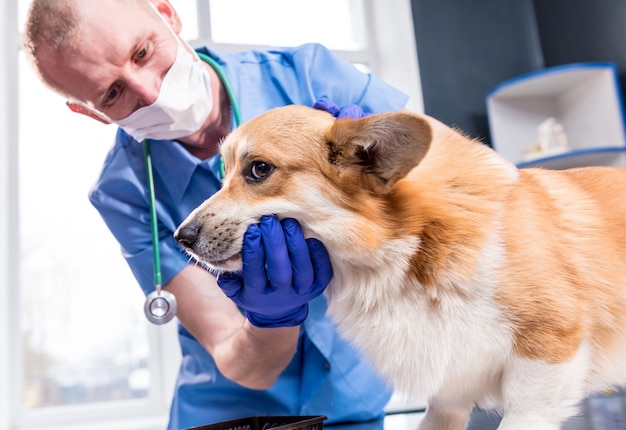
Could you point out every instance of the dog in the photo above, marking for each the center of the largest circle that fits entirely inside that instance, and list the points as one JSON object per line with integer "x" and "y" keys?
{"x": 465, "y": 280}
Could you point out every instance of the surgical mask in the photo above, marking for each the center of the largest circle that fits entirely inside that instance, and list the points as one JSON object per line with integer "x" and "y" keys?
{"x": 182, "y": 106}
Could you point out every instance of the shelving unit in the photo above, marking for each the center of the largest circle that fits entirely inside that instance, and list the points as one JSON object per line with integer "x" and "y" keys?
{"x": 584, "y": 99}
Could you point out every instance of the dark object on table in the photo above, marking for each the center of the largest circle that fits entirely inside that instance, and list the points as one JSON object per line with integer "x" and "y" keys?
{"x": 291, "y": 422}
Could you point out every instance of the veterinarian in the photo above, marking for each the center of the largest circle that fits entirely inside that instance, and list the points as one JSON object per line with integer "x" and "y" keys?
{"x": 122, "y": 62}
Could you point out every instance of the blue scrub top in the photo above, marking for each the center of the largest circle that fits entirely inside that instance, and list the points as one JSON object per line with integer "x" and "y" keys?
{"x": 326, "y": 376}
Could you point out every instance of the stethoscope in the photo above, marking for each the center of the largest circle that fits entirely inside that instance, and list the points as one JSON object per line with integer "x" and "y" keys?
{"x": 160, "y": 306}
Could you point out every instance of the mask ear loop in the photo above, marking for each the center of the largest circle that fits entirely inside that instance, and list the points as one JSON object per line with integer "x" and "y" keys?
{"x": 160, "y": 305}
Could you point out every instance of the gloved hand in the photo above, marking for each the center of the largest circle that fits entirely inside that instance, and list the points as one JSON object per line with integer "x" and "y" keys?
{"x": 351, "y": 111}
{"x": 282, "y": 271}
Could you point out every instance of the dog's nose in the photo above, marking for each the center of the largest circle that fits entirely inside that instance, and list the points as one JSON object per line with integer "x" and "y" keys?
{"x": 187, "y": 235}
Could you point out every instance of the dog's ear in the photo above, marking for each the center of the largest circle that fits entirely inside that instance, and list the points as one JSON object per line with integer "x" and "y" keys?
{"x": 385, "y": 147}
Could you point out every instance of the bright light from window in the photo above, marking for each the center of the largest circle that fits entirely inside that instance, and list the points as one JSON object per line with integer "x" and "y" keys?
{"x": 284, "y": 22}
{"x": 83, "y": 331}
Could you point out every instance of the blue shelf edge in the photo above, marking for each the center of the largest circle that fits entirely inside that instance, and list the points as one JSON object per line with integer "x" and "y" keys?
{"x": 571, "y": 154}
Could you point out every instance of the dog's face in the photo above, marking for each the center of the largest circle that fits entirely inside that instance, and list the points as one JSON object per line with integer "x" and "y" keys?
{"x": 301, "y": 163}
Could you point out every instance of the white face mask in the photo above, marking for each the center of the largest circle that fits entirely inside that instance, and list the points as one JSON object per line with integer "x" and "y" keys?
{"x": 183, "y": 105}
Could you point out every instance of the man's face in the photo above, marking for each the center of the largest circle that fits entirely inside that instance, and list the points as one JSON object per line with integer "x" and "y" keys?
{"x": 120, "y": 60}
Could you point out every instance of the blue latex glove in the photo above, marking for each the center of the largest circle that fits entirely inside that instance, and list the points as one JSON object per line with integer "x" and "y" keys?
{"x": 351, "y": 111}
{"x": 282, "y": 271}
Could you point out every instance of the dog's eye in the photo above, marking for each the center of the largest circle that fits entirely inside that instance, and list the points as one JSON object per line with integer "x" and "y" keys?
{"x": 259, "y": 170}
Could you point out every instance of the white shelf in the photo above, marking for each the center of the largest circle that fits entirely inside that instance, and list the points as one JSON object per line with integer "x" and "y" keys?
{"x": 584, "y": 98}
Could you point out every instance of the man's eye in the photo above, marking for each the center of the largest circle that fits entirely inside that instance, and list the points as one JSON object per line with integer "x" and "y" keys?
{"x": 259, "y": 170}
{"x": 111, "y": 95}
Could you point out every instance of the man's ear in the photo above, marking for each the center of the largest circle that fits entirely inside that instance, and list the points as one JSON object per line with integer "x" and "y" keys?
{"x": 385, "y": 147}
{"x": 169, "y": 14}
{"x": 85, "y": 110}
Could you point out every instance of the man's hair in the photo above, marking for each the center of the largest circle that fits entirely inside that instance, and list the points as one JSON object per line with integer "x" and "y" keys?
{"x": 50, "y": 24}
{"x": 54, "y": 26}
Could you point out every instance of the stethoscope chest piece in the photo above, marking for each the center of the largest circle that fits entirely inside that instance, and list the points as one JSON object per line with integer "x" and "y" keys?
{"x": 160, "y": 306}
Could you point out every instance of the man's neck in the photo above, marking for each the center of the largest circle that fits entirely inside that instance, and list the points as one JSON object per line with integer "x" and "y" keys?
{"x": 205, "y": 143}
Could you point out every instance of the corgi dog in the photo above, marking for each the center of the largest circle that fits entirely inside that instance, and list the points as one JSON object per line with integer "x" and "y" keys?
{"x": 465, "y": 280}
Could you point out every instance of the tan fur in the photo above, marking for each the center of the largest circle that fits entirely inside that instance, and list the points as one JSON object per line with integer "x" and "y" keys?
{"x": 464, "y": 279}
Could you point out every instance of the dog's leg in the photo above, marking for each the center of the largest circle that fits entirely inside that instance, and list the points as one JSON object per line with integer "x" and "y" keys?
{"x": 444, "y": 417}
{"x": 540, "y": 396}
{"x": 512, "y": 422}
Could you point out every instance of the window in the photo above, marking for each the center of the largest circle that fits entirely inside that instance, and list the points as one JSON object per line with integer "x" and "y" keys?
{"x": 77, "y": 348}
{"x": 278, "y": 26}
{"x": 374, "y": 35}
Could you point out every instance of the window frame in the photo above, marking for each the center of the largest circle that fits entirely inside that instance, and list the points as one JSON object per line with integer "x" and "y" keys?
{"x": 391, "y": 55}
{"x": 9, "y": 42}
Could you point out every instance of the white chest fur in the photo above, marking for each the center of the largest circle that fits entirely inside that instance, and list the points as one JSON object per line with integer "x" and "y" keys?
{"x": 418, "y": 342}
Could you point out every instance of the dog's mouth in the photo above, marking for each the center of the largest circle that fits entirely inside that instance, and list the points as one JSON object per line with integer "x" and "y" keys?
{"x": 208, "y": 251}
{"x": 229, "y": 264}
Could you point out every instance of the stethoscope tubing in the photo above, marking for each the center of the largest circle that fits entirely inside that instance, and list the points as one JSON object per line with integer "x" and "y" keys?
{"x": 160, "y": 306}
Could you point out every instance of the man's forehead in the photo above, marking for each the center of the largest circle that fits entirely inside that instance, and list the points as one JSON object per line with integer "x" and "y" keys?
{"x": 112, "y": 7}
{"x": 110, "y": 19}
{"x": 71, "y": 73}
